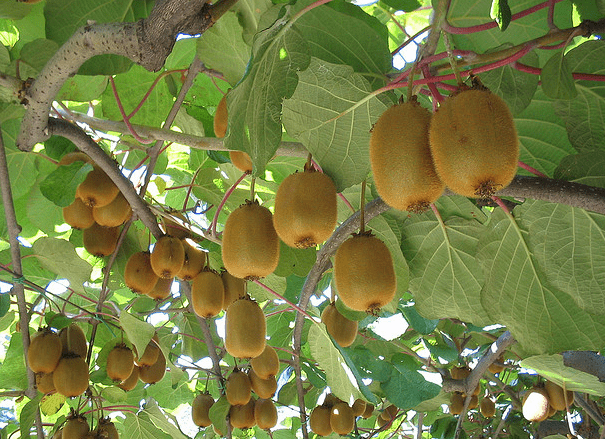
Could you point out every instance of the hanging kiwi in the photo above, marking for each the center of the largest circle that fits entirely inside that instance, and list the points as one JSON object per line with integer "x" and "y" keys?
{"x": 151, "y": 353}
{"x": 497, "y": 366}
{"x": 195, "y": 259}
{"x": 488, "y": 407}
{"x": 106, "y": 429}
{"x": 138, "y": 274}
{"x": 242, "y": 416}
{"x": 44, "y": 382}
{"x": 364, "y": 274}
{"x": 162, "y": 289}
{"x": 173, "y": 228}
{"x": 474, "y": 402}
{"x": 241, "y": 160}
{"x": 342, "y": 420}
{"x": 100, "y": 241}
{"x": 220, "y": 120}
{"x": 200, "y": 409}
{"x": 263, "y": 388}
{"x": 120, "y": 362}
{"x": 235, "y": 288}
{"x": 44, "y": 351}
{"x": 250, "y": 244}
{"x": 75, "y": 427}
{"x": 400, "y": 158}
{"x": 389, "y": 413}
{"x": 75, "y": 156}
{"x": 265, "y": 413}
{"x": 71, "y": 376}
{"x": 536, "y": 404}
{"x": 113, "y": 214}
{"x": 238, "y": 388}
{"x": 474, "y": 143}
{"x": 319, "y": 421}
{"x": 167, "y": 257}
{"x": 266, "y": 365}
{"x": 73, "y": 340}
{"x": 556, "y": 396}
{"x": 97, "y": 189}
{"x": 456, "y": 403}
{"x": 132, "y": 381}
{"x": 154, "y": 373}
{"x": 305, "y": 211}
{"x": 207, "y": 293}
{"x": 369, "y": 411}
{"x": 343, "y": 330}
{"x": 358, "y": 407}
{"x": 245, "y": 329}
{"x": 78, "y": 215}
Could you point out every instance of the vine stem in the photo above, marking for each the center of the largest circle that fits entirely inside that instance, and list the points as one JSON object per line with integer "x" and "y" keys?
{"x": 532, "y": 170}
{"x": 222, "y": 204}
{"x": 451, "y": 58}
{"x": 362, "y": 201}
{"x": 280, "y": 297}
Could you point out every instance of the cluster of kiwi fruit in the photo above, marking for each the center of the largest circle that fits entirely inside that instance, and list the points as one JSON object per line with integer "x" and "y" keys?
{"x": 99, "y": 208}
{"x": 76, "y": 427}
{"x": 336, "y": 416}
{"x": 544, "y": 400}
{"x": 469, "y": 144}
{"x": 487, "y": 406}
{"x": 127, "y": 368}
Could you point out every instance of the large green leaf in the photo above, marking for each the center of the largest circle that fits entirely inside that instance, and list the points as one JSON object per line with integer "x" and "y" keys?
{"x": 557, "y": 79}
{"x": 60, "y": 185}
{"x": 14, "y": 371}
{"x": 518, "y": 295}
{"x": 159, "y": 420}
{"x": 140, "y": 426}
{"x": 60, "y": 257}
{"x": 407, "y": 387}
{"x": 21, "y": 165}
{"x": 331, "y": 114}
{"x": 569, "y": 243}
{"x": 255, "y": 104}
{"x": 28, "y": 415}
{"x": 137, "y": 331}
{"x": 586, "y": 168}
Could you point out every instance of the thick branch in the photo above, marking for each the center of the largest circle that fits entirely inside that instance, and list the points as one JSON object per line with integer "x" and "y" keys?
{"x": 586, "y": 361}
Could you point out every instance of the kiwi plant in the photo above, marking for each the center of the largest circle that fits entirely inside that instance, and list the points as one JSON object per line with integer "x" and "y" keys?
{"x": 200, "y": 409}
{"x": 97, "y": 189}
{"x": 265, "y": 413}
{"x": 44, "y": 351}
{"x": 70, "y": 377}
{"x": 120, "y": 362}
{"x": 245, "y": 329}
{"x": 167, "y": 257}
{"x": 139, "y": 275}
{"x": 238, "y": 388}
{"x": 266, "y": 365}
{"x": 207, "y": 293}
{"x": 342, "y": 330}
{"x": 78, "y": 215}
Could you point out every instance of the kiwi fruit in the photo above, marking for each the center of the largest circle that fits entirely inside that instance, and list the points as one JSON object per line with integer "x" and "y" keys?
{"x": 381, "y": 422}
{"x": 200, "y": 410}
{"x": 474, "y": 143}
{"x": 44, "y": 351}
{"x": 100, "y": 241}
{"x": 195, "y": 259}
{"x": 263, "y": 388}
{"x": 266, "y": 365}
{"x": 97, "y": 189}
{"x": 167, "y": 257}
{"x": 114, "y": 214}
{"x": 456, "y": 403}
{"x": 331, "y": 399}
{"x": 44, "y": 382}
{"x": 221, "y": 117}
{"x": 245, "y": 329}
{"x": 250, "y": 244}
{"x": 305, "y": 211}
{"x": 358, "y": 407}
{"x": 75, "y": 156}
{"x": 551, "y": 411}
{"x": 71, "y": 376}
{"x": 151, "y": 353}
{"x": 487, "y": 407}
{"x": 242, "y": 161}
{"x": 78, "y": 215}
{"x": 138, "y": 273}
{"x": 154, "y": 373}
{"x": 342, "y": 330}
{"x": 389, "y": 413}
{"x": 368, "y": 412}
{"x": 536, "y": 404}
{"x": 75, "y": 427}
{"x": 162, "y": 289}
{"x": 238, "y": 388}
{"x": 319, "y": 420}
{"x": 120, "y": 362}
{"x": 207, "y": 293}
{"x": 342, "y": 419}
{"x": 132, "y": 381}
{"x": 242, "y": 416}
{"x": 106, "y": 429}
{"x": 364, "y": 274}
{"x": 556, "y": 396}
{"x": 73, "y": 340}
{"x": 265, "y": 414}
{"x": 400, "y": 158}
{"x": 58, "y": 434}
{"x": 497, "y": 366}
{"x": 235, "y": 288}
{"x": 474, "y": 402}
{"x": 460, "y": 372}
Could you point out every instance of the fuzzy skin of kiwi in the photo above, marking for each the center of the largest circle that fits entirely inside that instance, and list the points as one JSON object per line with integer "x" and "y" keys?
{"x": 342, "y": 420}
{"x": 474, "y": 143}
{"x": 263, "y": 388}
{"x": 250, "y": 244}
{"x": 44, "y": 382}
{"x": 167, "y": 257}
{"x": 154, "y": 373}
{"x": 114, "y": 214}
{"x": 496, "y": 367}
{"x": 305, "y": 211}
{"x": 78, "y": 215}
{"x": 319, "y": 421}
{"x": 456, "y": 403}
{"x": 358, "y": 407}
{"x": 238, "y": 388}
{"x": 556, "y": 396}
{"x": 265, "y": 413}
{"x": 97, "y": 189}
{"x": 235, "y": 288}
{"x": 200, "y": 410}
{"x": 194, "y": 262}
{"x": 400, "y": 158}
{"x": 75, "y": 427}
{"x": 71, "y": 376}
{"x": 389, "y": 413}
{"x": 369, "y": 410}
{"x": 207, "y": 294}
{"x": 487, "y": 407}
{"x": 242, "y": 161}
{"x": 266, "y": 365}
{"x": 120, "y": 362}
{"x": 150, "y": 356}
{"x": 132, "y": 381}
{"x": 364, "y": 273}
{"x": 343, "y": 330}
{"x": 100, "y": 241}
{"x": 138, "y": 273}
{"x": 536, "y": 404}
{"x": 221, "y": 118}
{"x": 245, "y": 329}
{"x": 242, "y": 416}
{"x": 162, "y": 289}
{"x": 44, "y": 351}
{"x": 73, "y": 340}
{"x": 106, "y": 429}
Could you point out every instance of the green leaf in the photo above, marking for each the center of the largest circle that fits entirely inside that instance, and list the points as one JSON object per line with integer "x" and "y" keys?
{"x": 369, "y": 365}
{"x": 60, "y": 257}
{"x": 218, "y": 414}
{"x": 14, "y": 372}
{"x": 139, "y": 426}
{"x": 255, "y": 104}
{"x": 159, "y": 420}
{"x": 331, "y": 114}
{"x": 51, "y": 404}
{"x": 60, "y": 185}
{"x": 403, "y": 5}
{"x": 28, "y": 415}
{"x": 21, "y": 165}
{"x": 137, "y": 331}
{"x": 406, "y": 387}
{"x": 249, "y": 14}
{"x": 14, "y": 10}
{"x": 113, "y": 394}
{"x": 294, "y": 261}
{"x": 38, "y": 52}
{"x": 5, "y": 304}
{"x": 586, "y": 168}
{"x": 500, "y": 12}
{"x": 557, "y": 79}
{"x": 82, "y": 89}
{"x": 416, "y": 321}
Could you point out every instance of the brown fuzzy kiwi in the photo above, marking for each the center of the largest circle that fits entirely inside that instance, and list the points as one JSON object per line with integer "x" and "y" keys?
{"x": 497, "y": 366}
{"x": 100, "y": 241}
{"x": 368, "y": 412}
{"x": 474, "y": 402}
{"x": 460, "y": 372}
{"x": 331, "y": 399}
{"x": 44, "y": 382}
{"x": 551, "y": 411}
{"x": 114, "y": 214}
{"x": 250, "y": 244}
{"x": 305, "y": 211}
{"x": 154, "y": 373}
{"x": 235, "y": 288}
{"x": 167, "y": 257}
{"x": 242, "y": 161}
{"x": 132, "y": 381}
{"x": 487, "y": 407}
{"x": 474, "y": 143}
{"x": 389, "y": 413}
{"x": 245, "y": 329}
{"x": 200, "y": 409}
{"x": 358, "y": 407}
{"x": 343, "y": 330}
{"x": 263, "y": 388}
{"x": 106, "y": 429}
{"x": 342, "y": 420}
{"x": 319, "y": 421}
{"x": 221, "y": 117}
{"x": 44, "y": 351}
{"x": 238, "y": 388}
{"x": 71, "y": 376}
{"x": 381, "y": 422}
{"x": 78, "y": 215}
{"x": 207, "y": 293}
{"x": 97, "y": 189}
{"x": 364, "y": 274}
{"x": 242, "y": 416}
{"x": 138, "y": 274}
{"x": 150, "y": 356}
{"x": 162, "y": 289}
{"x": 536, "y": 404}
{"x": 73, "y": 340}
{"x": 400, "y": 158}
{"x": 120, "y": 362}
{"x": 266, "y": 365}
{"x": 456, "y": 403}
{"x": 75, "y": 427}
{"x": 556, "y": 396}
{"x": 75, "y": 156}
{"x": 265, "y": 413}
{"x": 194, "y": 262}
{"x": 58, "y": 434}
